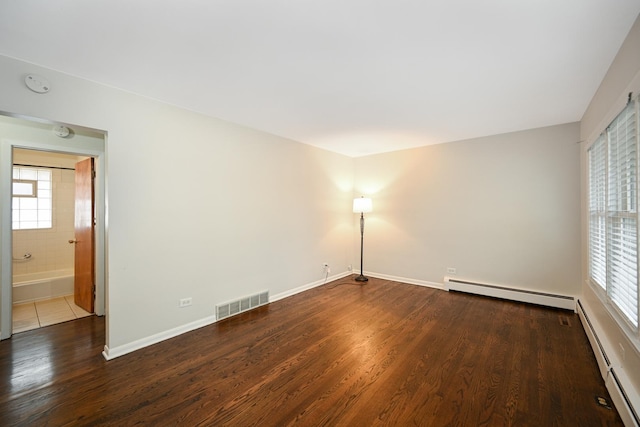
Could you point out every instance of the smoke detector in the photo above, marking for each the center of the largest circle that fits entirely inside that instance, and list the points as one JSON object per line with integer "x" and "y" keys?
{"x": 37, "y": 83}
{"x": 61, "y": 131}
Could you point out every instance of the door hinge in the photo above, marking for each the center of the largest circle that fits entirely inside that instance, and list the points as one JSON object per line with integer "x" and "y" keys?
{"x": 93, "y": 174}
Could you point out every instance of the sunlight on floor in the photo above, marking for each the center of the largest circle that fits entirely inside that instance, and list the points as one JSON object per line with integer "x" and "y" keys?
{"x": 37, "y": 314}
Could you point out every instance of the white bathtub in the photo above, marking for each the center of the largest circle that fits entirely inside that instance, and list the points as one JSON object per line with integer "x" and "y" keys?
{"x": 45, "y": 285}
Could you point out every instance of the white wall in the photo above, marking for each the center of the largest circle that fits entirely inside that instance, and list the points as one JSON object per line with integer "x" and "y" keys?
{"x": 206, "y": 209}
{"x": 622, "y": 77}
{"x": 197, "y": 207}
{"x": 503, "y": 209}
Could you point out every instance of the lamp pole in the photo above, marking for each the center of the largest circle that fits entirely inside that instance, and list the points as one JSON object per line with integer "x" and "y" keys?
{"x": 361, "y": 277}
{"x": 362, "y": 205}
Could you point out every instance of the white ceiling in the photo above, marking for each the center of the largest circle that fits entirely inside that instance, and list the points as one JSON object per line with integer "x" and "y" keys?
{"x": 352, "y": 76}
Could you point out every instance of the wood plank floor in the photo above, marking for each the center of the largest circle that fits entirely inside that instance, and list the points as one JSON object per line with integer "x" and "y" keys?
{"x": 342, "y": 354}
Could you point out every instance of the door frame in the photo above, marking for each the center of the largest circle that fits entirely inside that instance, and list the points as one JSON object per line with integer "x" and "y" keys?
{"x": 67, "y": 146}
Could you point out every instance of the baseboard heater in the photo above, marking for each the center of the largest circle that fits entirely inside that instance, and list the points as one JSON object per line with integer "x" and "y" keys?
{"x": 513, "y": 294}
{"x": 240, "y": 305}
{"x": 615, "y": 379}
{"x": 598, "y": 349}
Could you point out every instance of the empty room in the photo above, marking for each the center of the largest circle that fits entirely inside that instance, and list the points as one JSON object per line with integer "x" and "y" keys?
{"x": 319, "y": 213}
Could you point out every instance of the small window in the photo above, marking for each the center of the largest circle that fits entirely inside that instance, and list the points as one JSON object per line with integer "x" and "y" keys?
{"x": 25, "y": 188}
{"x": 32, "y": 205}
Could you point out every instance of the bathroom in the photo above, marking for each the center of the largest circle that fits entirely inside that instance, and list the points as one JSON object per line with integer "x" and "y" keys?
{"x": 43, "y": 240}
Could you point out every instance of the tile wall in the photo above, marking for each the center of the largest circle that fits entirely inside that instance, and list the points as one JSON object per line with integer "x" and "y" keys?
{"x": 49, "y": 248}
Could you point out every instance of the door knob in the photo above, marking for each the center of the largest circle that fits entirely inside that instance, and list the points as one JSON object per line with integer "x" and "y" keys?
{"x": 73, "y": 241}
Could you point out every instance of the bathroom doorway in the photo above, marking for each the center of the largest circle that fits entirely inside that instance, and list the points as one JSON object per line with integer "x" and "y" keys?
{"x": 53, "y": 238}
{"x": 23, "y": 136}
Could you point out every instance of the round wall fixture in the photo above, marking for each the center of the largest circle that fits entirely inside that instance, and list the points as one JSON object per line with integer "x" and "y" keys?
{"x": 61, "y": 131}
{"x": 37, "y": 83}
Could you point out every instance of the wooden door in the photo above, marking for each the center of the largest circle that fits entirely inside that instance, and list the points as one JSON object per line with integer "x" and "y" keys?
{"x": 84, "y": 283}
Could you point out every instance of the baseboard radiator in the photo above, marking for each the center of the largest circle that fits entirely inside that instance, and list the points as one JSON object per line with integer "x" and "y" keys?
{"x": 240, "y": 305}
{"x": 513, "y": 294}
{"x": 623, "y": 394}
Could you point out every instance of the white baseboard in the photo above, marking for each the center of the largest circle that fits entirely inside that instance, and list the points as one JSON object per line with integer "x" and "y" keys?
{"x": 514, "y": 294}
{"x": 308, "y": 286}
{"x": 406, "y": 280}
{"x": 112, "y": 353}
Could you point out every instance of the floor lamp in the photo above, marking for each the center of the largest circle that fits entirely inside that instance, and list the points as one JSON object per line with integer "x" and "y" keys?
{"x": 362, "y": 205}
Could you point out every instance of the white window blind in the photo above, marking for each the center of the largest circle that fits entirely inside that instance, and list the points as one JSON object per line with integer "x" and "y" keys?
{"x": 613, "y": 213}
{"x": 598, "y": 211}
{"x": 622, "y": 218}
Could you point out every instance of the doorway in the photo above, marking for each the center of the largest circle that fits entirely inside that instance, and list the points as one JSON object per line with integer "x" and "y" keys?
{"x": 43, "y": 136}
{"x": 52, "y": 238}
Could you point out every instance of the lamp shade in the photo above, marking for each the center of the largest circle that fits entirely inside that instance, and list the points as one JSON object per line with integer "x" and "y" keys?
{"x": 362, "y": 205}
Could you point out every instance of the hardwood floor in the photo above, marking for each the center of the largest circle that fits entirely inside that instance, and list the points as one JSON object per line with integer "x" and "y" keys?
{"x": 383, "y": 353}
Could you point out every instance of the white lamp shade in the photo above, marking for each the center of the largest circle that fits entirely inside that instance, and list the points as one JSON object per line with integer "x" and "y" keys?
{"x": 362, "y": 205}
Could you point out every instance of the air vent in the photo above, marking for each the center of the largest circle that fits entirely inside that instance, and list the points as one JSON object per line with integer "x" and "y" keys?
{"x": 231, "y": 308}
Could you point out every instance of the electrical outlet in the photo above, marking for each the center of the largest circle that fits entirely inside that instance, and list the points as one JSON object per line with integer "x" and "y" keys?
{"x": 326, "y": 267}
{"x": 451, "y": 270}
{"x": 185, "y": 302}
{"x": 349, "y": 267}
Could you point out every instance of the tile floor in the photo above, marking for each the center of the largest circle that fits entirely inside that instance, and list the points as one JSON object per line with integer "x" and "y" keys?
{"x": 37, "y": 314}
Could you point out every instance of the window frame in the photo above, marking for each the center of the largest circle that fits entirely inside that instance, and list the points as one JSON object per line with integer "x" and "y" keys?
{"x": 37, "y": 195}
{"x": 604, "y": 291}
{"x": 34, "y": 188}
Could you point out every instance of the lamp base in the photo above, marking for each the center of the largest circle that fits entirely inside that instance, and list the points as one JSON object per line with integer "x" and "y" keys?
{"x": 362, "y": 278}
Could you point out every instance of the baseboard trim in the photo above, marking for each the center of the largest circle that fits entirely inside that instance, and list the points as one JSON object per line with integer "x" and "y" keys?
{"x": 405, "y": 280}
{"x": 292, "y": 292}
{"x": 112, "y": 353}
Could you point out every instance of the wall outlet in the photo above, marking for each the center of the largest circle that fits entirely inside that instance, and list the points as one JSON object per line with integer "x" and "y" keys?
{"x": 325, "y": 266}
{"x": 349, "y": 267}
{"x": 451, "y": 270}
{"x": 185, "y": 302}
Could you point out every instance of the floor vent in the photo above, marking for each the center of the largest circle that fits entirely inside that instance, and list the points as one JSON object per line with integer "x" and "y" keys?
{"x": 231, "y": 308}
{"x": 564, "y": 320}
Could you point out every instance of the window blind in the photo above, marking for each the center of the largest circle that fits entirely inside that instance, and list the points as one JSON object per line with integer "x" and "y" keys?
{"x": 613, "y": 213}
{"x": 622, "y": 241}
{"x": 597, "y": 211}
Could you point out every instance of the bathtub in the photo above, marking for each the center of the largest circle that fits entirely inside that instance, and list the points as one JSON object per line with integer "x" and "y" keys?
{"x": 37, "y": 286}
